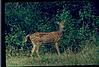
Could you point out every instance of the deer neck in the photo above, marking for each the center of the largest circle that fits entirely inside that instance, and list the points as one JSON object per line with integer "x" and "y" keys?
{"x": 61, "y": 31}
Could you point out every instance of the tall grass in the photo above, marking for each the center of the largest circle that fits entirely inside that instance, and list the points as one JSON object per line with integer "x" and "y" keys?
{"x": 87, "y": 56}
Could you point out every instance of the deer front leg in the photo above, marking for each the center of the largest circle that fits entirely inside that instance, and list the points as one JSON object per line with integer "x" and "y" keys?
{"x": 57, "y": 48}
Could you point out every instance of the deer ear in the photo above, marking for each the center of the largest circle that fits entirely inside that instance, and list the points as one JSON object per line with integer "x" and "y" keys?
{"x": 57, "y": 22}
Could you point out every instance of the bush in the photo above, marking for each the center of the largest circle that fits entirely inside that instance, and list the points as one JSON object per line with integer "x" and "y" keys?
{"x": 24, "y": 18}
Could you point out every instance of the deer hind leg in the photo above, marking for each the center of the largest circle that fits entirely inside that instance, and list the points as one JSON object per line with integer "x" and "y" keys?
{"x": 57, "y": 48}
{"x": 33, "y": 49}
{"x": 37, "y": 50}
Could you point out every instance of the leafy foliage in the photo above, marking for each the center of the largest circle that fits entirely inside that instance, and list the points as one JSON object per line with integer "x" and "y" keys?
{"x": 23, "y": 18}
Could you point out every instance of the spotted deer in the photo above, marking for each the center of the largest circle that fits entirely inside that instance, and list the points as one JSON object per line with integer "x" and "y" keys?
{"x": 39, "y": 38}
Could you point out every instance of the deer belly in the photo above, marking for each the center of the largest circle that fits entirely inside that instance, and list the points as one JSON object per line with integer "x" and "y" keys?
{"x": 47, "y": 40}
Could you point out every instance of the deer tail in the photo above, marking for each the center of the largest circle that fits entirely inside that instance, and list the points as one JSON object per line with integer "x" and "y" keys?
{"x": 27, "y": 37}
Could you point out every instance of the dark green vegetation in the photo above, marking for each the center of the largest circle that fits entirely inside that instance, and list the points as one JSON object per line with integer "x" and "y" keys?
{"x": 78, "y": 45}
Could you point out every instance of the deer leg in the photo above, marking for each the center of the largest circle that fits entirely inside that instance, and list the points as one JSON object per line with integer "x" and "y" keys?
{"x": 57, "y": 48}
{"x": 37, "y": 50}
{"x": 33, "y": 49}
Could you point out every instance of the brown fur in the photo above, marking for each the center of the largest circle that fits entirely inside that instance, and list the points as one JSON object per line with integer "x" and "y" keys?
{"x": 46, "y": 37}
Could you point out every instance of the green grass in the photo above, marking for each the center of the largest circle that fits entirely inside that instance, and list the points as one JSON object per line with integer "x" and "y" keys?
{"x": 87, "y": 56}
